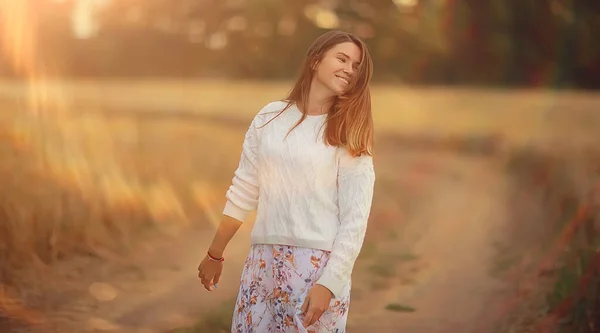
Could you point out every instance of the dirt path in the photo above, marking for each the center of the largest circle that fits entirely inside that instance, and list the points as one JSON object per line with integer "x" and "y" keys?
{"x": 450, "y": 229}
{"x": 173, "y": 296}
{"x": 449, "y": 210}
{"x": 451, "y": 235}
{"x": 158, "y": 292}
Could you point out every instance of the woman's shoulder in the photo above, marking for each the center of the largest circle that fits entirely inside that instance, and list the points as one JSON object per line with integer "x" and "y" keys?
{"x": 269, "y": 111}
{"x": 273, "y": 107}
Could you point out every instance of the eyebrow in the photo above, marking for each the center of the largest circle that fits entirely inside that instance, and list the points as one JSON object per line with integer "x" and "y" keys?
{"x": 344, "y": 54}
{"x": 347, "y": 57}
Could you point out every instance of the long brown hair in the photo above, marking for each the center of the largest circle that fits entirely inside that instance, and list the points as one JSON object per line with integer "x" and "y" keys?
{"x": 349, "y": 121}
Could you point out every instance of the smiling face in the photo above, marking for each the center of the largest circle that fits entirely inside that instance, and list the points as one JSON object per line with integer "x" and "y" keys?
{"x": 337, "y": 68}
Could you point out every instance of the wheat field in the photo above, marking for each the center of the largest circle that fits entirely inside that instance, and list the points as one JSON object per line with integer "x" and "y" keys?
{"x": 524, "y": 114}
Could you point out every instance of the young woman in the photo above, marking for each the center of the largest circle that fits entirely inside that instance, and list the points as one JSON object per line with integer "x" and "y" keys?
{"x": 306, "y": 167}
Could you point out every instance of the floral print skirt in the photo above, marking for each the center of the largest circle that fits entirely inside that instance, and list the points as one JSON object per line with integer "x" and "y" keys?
{"x": 274, "y": 284}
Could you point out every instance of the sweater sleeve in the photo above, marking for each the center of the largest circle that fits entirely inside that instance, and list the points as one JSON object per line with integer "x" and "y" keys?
{"x": 242, "y": 195}
{"x": 356, "y": 179}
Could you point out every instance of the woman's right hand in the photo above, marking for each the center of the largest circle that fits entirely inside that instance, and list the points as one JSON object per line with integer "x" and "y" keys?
{"x": 209, "y": 273}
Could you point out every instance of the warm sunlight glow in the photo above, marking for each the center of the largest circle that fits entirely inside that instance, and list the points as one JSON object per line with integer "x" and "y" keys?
{"x": 83, "y": 22}
{"x": 406, "y": 3}
{"x": 321, "y": 17}
{"x": 19, "y": 41}
{"x": 204, "y": 196}
{"x": 18, "y": 35}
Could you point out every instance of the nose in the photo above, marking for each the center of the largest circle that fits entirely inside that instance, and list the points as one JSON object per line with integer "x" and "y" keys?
{"x": 349, "y": 70}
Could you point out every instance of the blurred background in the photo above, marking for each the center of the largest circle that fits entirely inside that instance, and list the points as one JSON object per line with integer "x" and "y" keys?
{"x": 122, "y": 125}
{"x": 537, "y": 43}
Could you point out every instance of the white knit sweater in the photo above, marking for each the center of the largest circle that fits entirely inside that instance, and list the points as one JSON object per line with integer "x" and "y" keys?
{"x": 306, "y": 193}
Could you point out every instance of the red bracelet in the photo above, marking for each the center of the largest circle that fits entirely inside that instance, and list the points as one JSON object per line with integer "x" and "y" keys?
{"x": 211, "y": 258}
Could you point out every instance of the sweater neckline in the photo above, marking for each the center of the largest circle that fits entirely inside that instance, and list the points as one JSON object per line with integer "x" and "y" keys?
{"x": 312, "y": 116}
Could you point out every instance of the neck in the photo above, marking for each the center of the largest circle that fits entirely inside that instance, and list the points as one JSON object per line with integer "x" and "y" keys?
{"x": 320, "y": 99}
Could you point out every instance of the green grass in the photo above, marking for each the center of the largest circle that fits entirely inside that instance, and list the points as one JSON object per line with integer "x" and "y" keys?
{"x": 569, "y": 286}
{"x": 396, "y": 307}
{"x": 383, "y": 269}
{"x": 406, "y": 256}
{"x": 504, "y": 260}
{"x": 570, "y": 292}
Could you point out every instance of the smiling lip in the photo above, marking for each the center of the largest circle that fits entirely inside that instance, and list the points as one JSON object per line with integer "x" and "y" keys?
{"x": 343, "y": 79}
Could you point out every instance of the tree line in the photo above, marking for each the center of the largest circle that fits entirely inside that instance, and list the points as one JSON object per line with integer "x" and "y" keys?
{"x": 551, "y": 43}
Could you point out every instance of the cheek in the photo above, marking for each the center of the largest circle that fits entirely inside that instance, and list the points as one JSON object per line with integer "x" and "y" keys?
{"x": 323, "y": 73}
{"x": 328, "y": 67}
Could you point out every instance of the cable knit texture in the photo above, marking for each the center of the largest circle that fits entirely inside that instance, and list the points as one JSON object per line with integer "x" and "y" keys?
{"x": 306, "y": 193}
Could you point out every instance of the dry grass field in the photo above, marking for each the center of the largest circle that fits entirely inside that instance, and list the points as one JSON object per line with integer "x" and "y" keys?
{"x": 110, "y": 190}
{"x": 516, "y": 114}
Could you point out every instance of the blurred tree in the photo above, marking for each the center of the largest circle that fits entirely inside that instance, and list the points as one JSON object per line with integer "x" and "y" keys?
{"x": 533, "y": 42}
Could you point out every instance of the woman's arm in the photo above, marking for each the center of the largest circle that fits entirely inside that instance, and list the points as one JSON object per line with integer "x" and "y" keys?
{"x": 356, "y": 180}
{"x": 209, "y": 271}
{"x": 242, "y": 198}
{"x": 225, "y": 232}
{"x": 242, "y": 195}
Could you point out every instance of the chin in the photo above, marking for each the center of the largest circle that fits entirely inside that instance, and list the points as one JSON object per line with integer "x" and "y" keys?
{"x": 342, "y": 92}
{"x": 337, "y": 90}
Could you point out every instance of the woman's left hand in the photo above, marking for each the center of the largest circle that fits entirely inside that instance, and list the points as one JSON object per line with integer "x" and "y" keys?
{"x": 316, "y": 303}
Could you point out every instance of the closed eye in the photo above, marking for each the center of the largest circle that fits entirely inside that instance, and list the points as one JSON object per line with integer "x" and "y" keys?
{"x": 343, "y": 58}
